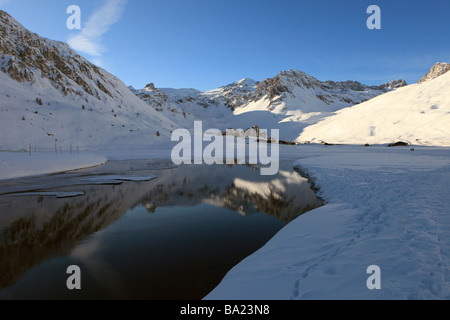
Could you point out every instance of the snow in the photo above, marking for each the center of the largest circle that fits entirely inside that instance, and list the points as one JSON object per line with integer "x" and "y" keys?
{"x": 417, "y": 114}
{"x": 247, "y": 82}
{"x": 385, "y": 207}
{"x": 63, "y": 121}
{"x": 21, "y": 164}
{"x": 180, "y": 92}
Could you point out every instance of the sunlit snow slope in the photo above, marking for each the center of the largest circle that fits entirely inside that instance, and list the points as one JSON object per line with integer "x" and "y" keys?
{"x": 417, "y": 114}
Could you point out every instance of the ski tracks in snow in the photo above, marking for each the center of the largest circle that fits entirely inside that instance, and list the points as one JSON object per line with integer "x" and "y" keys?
{"x": 403, "y": 213}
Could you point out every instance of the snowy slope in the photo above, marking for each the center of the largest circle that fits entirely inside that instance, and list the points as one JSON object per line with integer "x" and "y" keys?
{"x": 50, "y": 95}
{"x": 417, "y": 114}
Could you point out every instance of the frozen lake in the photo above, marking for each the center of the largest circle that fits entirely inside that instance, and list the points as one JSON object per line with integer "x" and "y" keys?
{"x": 140, "y": 229}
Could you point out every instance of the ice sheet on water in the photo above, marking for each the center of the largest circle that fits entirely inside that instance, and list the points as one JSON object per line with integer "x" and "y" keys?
{"x": 117, "y": 179}
{"x": 58, "y": 194}
{"x": 161, "y": 165}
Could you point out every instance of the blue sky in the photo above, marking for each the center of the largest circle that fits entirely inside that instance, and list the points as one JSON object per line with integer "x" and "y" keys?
{"x": 205, "y": 44}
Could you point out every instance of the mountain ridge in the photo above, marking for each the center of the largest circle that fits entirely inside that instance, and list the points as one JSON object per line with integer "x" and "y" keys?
{"x": 290, "y": 101}
{"x": 271, "y": 88}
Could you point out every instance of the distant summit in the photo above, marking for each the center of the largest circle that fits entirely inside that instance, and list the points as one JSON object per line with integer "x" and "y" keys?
{"x": 436, "y": 71}
{"x": 393, "y": 85}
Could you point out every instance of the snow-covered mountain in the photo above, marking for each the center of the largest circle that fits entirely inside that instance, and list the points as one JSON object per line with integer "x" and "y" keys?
{"x": 161, "y": 103}
{"x": 416, "y": 114}
{"x": 50, "y": 95}
{"x": 297, "y": 92}
{"x": 290, "y": 101}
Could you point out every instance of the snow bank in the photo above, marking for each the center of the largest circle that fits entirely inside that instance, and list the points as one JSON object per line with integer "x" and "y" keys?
{"x": 21, "y": 164}
{"x": 385, "y": 207}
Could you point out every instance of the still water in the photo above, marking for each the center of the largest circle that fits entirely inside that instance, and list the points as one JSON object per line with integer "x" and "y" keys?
{"x": 140, "y": 229}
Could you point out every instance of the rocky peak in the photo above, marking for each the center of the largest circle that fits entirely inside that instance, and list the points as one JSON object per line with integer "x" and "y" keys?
{"x": 8, "y": 20}
{"x": 284, "y": 83}
{"x": 298, "y": 78}
{"x": 150, "y": 87}
{"x": 392, "y": 85}
{"x": 153, "y": 96}
{"x": 345, "y": 85}
{"x": 436, "y": 71}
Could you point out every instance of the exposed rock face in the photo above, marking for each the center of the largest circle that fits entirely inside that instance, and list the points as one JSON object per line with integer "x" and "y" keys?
{"x": 154, "y": 97}
{"x": 436, "y": 71}
{"x": 283, "y": 84}
{"x": 393, "y": 85}
{"x": 26, "y": 57}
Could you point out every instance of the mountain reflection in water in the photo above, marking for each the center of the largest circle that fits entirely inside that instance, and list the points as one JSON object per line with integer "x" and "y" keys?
{"x": 34, "y": 229}
{"x": 239, "y": 188}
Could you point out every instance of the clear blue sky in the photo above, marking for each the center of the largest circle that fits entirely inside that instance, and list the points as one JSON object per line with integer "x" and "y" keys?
{"x": 205, "y": 44}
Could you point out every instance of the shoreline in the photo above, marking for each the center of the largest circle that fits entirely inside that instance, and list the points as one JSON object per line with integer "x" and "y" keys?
{"x": 15, "y": 165}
